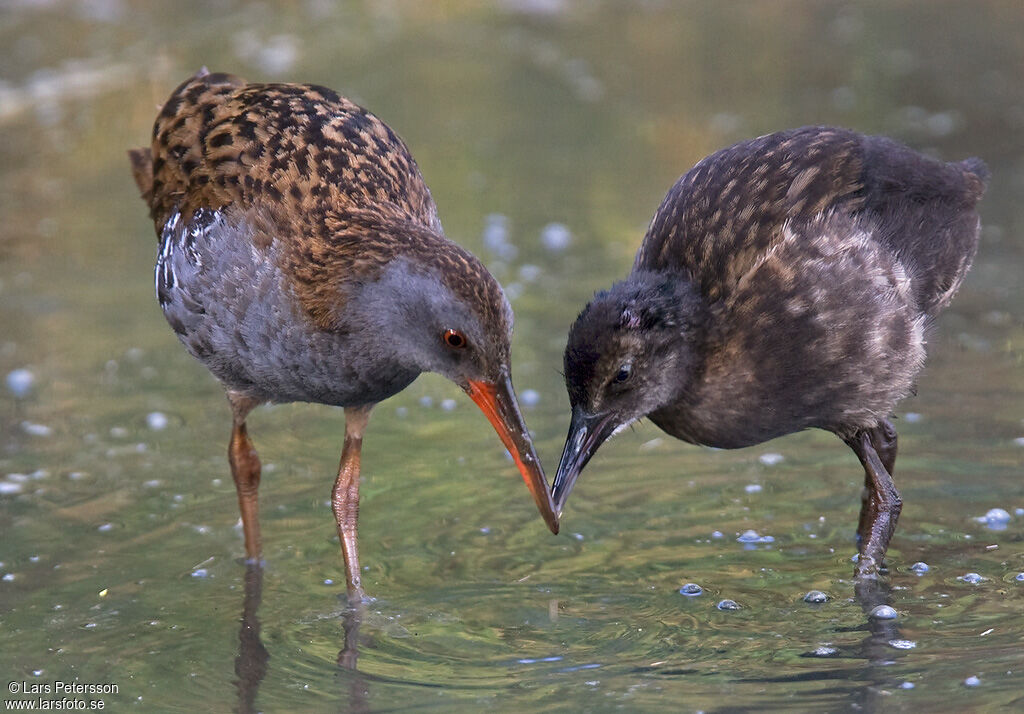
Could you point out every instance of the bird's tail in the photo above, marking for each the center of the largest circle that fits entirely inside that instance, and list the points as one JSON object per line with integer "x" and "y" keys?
{"x": 977, "y": 175}
{"x": 142, "y": 170}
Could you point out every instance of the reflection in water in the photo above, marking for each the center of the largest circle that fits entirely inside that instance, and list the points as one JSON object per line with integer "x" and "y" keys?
{"x": 877, "y": 650}
{"x": 871, "y": 593}
{"x": 348, "y": 657}
{"x": 253, "y": 657}
{"x": 251, "y": 662}
{"x": 876, "y": 647}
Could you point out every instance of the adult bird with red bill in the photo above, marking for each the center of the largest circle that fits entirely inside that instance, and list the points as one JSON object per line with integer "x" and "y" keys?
{"x": 301, "y": 259}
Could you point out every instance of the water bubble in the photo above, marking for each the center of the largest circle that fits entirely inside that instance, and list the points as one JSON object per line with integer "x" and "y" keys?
{"x": 972, "y": 681}
{"x": 753, "y": 488}
{"x": 529, "y": 272}
{"x": 200, "y": 573}
{"x": 752, "y": 536}
{"x": 20, "y": 382}
{"x": 907, "y": 685}
{"x": 8, "y": 577}
{"x": 883, "y": 612}
{"x": 328, "y": 581}
{"x": 1019, "y": 441}
{"x": 496, "y": 237}
{"x": 1019, "y": 578}
{"x": 912, "y": 417}
{"x": 556, "y": 237}
{"x": 426, "y": 402}
{"x": 7, "y": 488}
{"x": 972, "y": 578}
{"x": 995, "y": 518}
{"x": 448, "y": 404}
{"x": 825, "y": 651}
{"x": 278, "y": 54}
{"x": 691, "y": 590}
{"x": 728, "y": 605}
{"x": 555, "y": 658}
{"x": 530, "y": 397}
{"x": 33, "y": 429}
{"x": 106, "y": 528}
{"x": 920, "y": 567}
{"x": 156, "y": 421}
{"x": 943, "y": 123}
{"x": 816, "y": 597}
{"x": 902, "y": 644}
{"x": 717, "y": 534}
{"x": 771, "y": 459}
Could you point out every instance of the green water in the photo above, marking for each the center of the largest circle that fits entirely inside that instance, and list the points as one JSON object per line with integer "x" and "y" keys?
{"x": 540, "y": 112}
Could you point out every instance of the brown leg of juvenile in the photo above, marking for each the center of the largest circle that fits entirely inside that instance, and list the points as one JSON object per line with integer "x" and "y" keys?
{"x": 345, "y": 497}
{"x": 881, "y": 509}
{"x": 245, "y": 468}
{"x": 883, "y": 438}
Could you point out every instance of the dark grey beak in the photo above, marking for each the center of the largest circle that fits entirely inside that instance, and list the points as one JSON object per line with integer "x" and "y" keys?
{"x": 586, "y": 433}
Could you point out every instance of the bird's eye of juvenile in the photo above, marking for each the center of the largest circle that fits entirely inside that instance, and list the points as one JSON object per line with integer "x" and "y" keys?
{"x": 454, "y": 339}
{"x": 624, "y": 373}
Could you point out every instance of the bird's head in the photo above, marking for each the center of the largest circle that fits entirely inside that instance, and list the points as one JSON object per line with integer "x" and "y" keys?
{"x": 444, "y": 312}
{"x": 630, "y": 352}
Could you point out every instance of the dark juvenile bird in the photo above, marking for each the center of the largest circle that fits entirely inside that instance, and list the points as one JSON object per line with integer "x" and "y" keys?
{"x": 301, "y": 259}
{"x": 785, "y": 283}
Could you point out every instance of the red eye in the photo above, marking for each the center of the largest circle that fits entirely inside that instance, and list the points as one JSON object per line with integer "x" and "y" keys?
{"x": 454, "y": 339}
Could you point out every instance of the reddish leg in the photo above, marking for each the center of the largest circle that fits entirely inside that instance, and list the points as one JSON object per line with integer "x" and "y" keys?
{"x": 245, "y": 468}
{"x": 345, "y": 497}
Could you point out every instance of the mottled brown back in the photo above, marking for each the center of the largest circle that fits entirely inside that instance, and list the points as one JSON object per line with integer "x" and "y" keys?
{"x": 720, "y": 219}
{"x": 298, "y": 166}
{"x": 219, "y": 140}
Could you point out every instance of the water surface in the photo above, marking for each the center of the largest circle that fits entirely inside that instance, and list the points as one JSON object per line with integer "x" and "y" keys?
{"x": 548, "y": 132}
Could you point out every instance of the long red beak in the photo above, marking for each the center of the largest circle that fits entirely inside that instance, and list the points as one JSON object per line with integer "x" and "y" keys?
{"x": 498, "y": 403}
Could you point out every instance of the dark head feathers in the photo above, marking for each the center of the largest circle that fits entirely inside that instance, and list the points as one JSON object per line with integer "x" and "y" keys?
{"x": 643, "y": 312}
{"x": 644, "y": 301}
